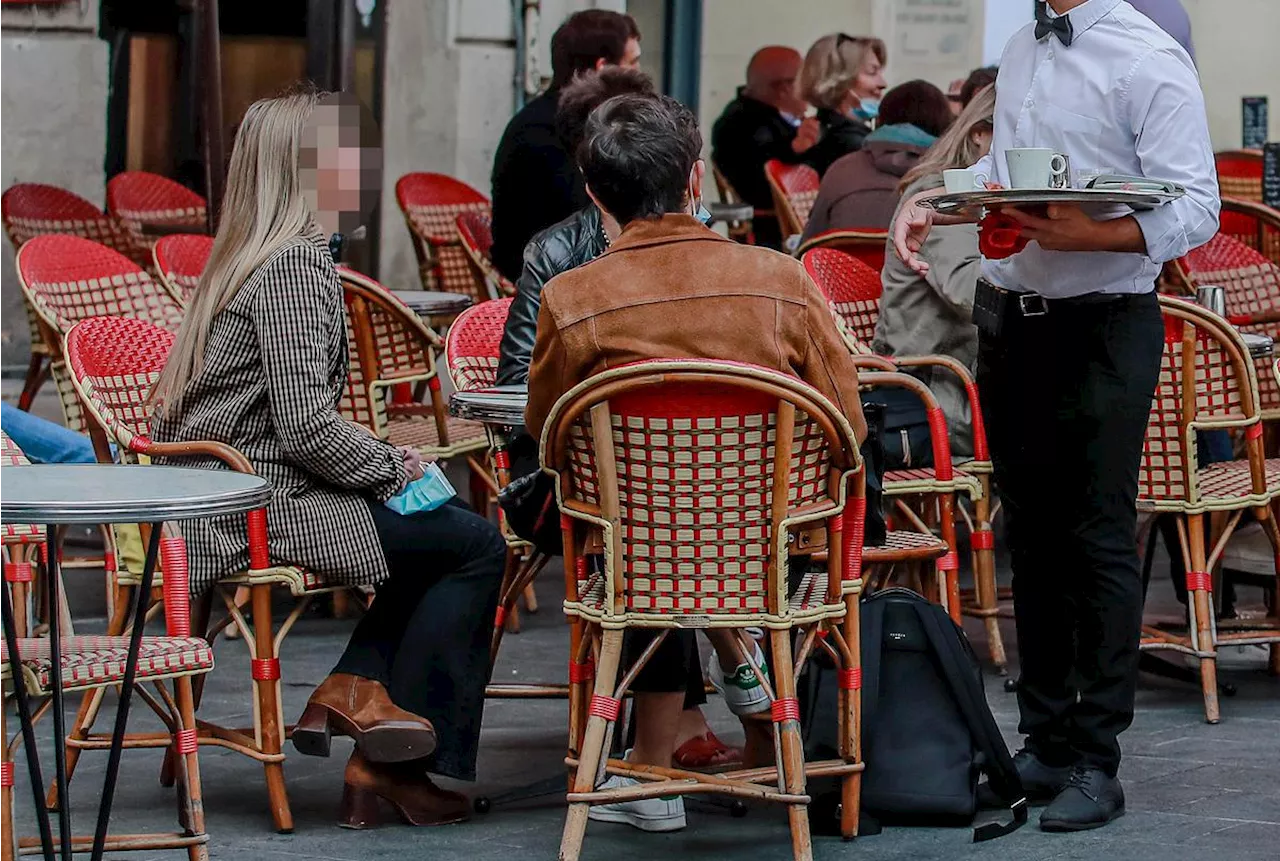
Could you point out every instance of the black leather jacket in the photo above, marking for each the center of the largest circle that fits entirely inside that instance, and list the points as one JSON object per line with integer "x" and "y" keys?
{"x": 577, "y": 240}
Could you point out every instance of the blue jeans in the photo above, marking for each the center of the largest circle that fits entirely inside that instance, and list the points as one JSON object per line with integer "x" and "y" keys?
{"x": 43, "y": 441}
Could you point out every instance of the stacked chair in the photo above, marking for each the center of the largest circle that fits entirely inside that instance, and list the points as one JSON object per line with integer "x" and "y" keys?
{"x": 852, "y": 290}
{"x": 1207, "y": 382}
{"x": 431, "y": 203}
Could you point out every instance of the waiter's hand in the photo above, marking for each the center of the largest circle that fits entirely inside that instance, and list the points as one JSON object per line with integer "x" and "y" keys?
{"x": 911, "y": 229}
{"x": 1068, "y": 228}
{"x": 806, "y": 135}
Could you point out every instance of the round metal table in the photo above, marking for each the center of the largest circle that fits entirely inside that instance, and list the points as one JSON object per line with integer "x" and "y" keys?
{"x": 426, "y": 303}
{"x": 731, "y": 212}
{"x": 1260, "y": 346}
{"x": 500, "y": 406}
{"x": 60, "y": 494}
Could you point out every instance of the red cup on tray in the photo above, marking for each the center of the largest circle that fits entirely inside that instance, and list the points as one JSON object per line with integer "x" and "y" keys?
{"x": 999, "y": 236}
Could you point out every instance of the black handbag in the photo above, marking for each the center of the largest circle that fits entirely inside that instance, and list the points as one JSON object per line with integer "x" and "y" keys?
{"x": 907, "y": 441}
{"x": 529, "y": 503}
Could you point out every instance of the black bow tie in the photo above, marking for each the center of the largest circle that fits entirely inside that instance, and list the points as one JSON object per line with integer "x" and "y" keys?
{"x": 1059, "y": 26}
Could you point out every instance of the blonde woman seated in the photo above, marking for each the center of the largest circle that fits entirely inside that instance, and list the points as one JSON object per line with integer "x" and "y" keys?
{"x": 933, "y": 313}
{"x": 260, "y": 364}
{"x": 843, "y": 77}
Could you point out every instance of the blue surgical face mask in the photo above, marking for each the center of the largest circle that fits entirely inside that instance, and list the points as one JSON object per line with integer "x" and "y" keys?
{"x": 867, "y": 109}
{"x": 792, "y": 120}
{"x": 703, "y": 214}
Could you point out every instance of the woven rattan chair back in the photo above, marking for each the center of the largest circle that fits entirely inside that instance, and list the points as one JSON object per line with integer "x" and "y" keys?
{"x": 137, "y": 198}
{"x": 794, "y": 188}
{"x": 476, "y": 235}
{"x": 471, "y": 346}
{"x": 696, "y": 471}
{"x": 179, "y": 262}
{"x": 17, "y": 533}
{"x": 431, "y": 203}
{"x": 1254, "y": 224}
{"x": 67, "y": 279}
{"x": 868, "y": 245}
{"x": 1240, "y": 174}
{"x": 852, "y": 290}
{"x": 388, "y": 345}
{"x": 1206, "y": 382}
{"x": 114, "y": 363}
{"x": 31, "y": 210}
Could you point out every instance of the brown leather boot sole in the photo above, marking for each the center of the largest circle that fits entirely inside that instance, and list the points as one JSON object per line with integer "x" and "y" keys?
{"x": 416, "y": 800}
{"x": 385, "y": 741}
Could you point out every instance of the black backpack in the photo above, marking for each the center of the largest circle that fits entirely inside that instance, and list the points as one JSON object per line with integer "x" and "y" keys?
{"x": 928, "y": 732}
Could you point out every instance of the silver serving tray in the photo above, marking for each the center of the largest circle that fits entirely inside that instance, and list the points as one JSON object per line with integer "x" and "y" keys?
{"x": 967, "y": 202}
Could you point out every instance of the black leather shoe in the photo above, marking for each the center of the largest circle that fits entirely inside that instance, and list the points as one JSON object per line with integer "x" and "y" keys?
{"x": 1090, "y": 799}
{"x": 1040, "y": 782}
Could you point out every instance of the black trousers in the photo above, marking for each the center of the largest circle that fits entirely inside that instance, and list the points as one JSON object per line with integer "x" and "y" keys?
{"x": 1066, "y": 397}
{"x": 426, "y": 637}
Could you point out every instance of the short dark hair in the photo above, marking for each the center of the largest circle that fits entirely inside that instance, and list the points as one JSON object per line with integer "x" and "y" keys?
{"x": 637, "y": 153}
{"x": 585, "y": 93}
{"x": 919, "y": 103}
{"x": 587, "y": 36}
{"x": 977, "y": 79}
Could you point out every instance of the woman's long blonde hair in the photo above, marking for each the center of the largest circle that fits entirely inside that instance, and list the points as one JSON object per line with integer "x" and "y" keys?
{"x": 833, "y": 64}
{"x": 956, "y": 149}
{"x": 263, "y": 208}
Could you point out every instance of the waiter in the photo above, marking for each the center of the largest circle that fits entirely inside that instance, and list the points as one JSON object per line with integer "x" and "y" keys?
{"x": 1067, "y": 367}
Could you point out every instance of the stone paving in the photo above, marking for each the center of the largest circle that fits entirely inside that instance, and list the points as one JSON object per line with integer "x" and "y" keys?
{"x": 1195, "y": 792}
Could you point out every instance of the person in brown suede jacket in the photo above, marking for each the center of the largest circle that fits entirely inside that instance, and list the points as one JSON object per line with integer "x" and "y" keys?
{"x": 670, "y": 288}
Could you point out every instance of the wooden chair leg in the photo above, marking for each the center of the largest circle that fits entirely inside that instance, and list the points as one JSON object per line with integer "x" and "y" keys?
{"x": 269, "y": 729}
{"x": 984, "y": 575}
{"x": 191, "y": 793}
{"x": 851, "y": 723}
{"x": 1202, "y": 631}
{"x": 120, "y": 610}
{"x": 949, "y": 565}
{"x": 8, "y": 839}
{"x": 791, "y": 746}
{"x": 86, "y": 716}
{"x": 530, "y": 599}
{"x": 594, "y": 748}
{"x": 33, "y": 381}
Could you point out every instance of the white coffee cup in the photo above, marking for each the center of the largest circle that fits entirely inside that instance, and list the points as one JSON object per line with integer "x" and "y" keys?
{"x": 963, "y": 179}
{"x": 1036, "y": 167}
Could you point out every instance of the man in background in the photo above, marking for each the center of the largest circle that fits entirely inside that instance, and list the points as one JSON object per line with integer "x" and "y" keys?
{"x": 765, "y": 121}
{"x": 535, "y": 181}
{"x": 1171, "y": 17}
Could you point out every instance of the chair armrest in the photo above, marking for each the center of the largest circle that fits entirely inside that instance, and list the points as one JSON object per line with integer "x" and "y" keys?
{"x": 937, "y": 420}
{"x": 979, "y": 429}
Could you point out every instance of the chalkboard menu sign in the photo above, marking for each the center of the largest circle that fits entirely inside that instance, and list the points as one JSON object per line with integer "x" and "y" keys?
{"x": 1271, "y": 175}
{"x": 1254, "y": 113}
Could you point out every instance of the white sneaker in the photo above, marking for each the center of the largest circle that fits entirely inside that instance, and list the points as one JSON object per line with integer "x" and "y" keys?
{"x": 647, "y": 814}
{"x": 742, "y": 691}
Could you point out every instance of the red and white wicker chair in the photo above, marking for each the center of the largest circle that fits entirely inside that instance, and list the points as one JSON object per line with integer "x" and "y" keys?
{"x": 24, "y": 546}
{"x": 740, "y": 231}
{"x": 29, "y": 210}
{"x": 391, "y": 347}
{"x": 853, "y": 290}
{"x": 94, "y": 664}
{"x": 1252, "y": 285}
{"x": 115, "y": 362}
{"x": 1254, "y": 224}
{"x": 1207, "y": 382}
{"x": 794, "y": 188}
{"x": 431, "y": 203}
{"x": 179, "y": 262}
{"x": 476, "y": 236}
{"x": 621, "y": 445}
{"x": 1240, "y": 174}
{"x": 66, "y": 279}
{"x": 867, "y": 245}
{"x": 142, "y": 200}
{"x": 471, "y": 349}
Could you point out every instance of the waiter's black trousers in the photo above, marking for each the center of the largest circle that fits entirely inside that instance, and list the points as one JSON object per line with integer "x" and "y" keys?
{"x": 1066, "y": 397}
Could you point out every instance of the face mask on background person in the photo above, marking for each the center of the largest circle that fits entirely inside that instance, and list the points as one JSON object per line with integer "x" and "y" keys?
{"x": 867, "y": 109}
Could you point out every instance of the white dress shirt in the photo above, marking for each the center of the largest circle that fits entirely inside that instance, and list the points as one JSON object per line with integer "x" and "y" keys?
{"x": 1123, "y": 98}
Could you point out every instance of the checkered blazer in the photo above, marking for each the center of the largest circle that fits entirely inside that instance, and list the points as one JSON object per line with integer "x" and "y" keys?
{"x": 274, "y": 370}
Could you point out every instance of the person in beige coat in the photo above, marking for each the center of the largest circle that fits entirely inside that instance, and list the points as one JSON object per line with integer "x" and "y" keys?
{"x": 932, "y": 314}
